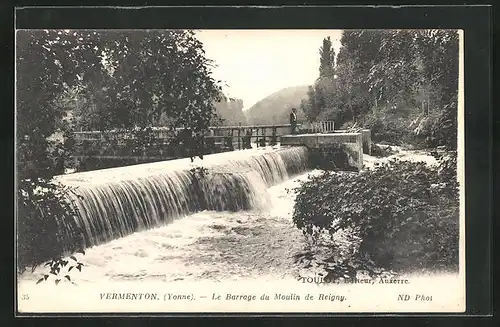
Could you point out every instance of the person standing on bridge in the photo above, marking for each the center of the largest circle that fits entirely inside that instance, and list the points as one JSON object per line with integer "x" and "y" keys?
{"x": 293, "y": 120}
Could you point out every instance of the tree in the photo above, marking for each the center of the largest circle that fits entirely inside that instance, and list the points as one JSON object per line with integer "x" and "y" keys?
{"x": 153, "y": 78}
{"x": 410, "y": 60}
{"x": 322, "y": 95}
{"x": 438, "y": 52}
{"x": 421, "y": 64}
{"x": 309, "y": 106}
{"x": 47, "y": 64}
{"x": 231, "y": 111}
{"x": 152, "y": 73}
{"x": 358, "y": 53}
{"x": 383, "y": 70}
{"x": 327, "y": 59}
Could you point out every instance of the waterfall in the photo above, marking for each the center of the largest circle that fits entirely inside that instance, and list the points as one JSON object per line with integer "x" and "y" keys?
{"x": 116, "y": 202}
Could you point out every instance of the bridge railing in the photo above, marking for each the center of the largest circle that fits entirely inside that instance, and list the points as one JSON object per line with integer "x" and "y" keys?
{"x": 255, "y": 131}
{"x": 319, "y": 127}
{"x": 159, "y": 132}
{"x": 261, "y": 134}
{"x": 219, "y": 138}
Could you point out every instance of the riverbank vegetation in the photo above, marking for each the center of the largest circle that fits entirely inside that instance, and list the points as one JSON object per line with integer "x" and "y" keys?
{"x": 400, "y": 84}
{"x": 398, "y": 216}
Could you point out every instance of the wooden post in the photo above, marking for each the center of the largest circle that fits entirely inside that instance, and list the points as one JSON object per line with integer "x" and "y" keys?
{"x": 239, "y": 137}
{"x": 273, "y": 137}
{"x": 232, "y": 138}
{"x": 250, "y": 139}
{"x": 257, "y": 136}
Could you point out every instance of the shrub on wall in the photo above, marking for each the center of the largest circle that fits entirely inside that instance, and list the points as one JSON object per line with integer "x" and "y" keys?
{"x": 404, "y": 214}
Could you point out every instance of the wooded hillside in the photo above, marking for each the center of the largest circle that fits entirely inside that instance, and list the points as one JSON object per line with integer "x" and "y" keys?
{"x": 275, "y": 108}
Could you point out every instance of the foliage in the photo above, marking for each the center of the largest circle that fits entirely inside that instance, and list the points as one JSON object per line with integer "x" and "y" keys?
{"x": 394, "y": 77}
{"x": 389, "y": 130}
{"x": 151, "y": 78}
{"x": 447, "y": 173}
{"x": 412, "y": 62}
{"x": 57, "y": 265}
{"x": 47, "y": 64}
{"x": 327, "y": 59}
{"x": 408, "y": 72}
{"x": 231, "y": 112}
{"x": 321, "y": 95}
{"x": 116, "y": 79}
{"x": 440, "y": 128}
{"x": 415, "y": 63}
{"x": 392, "y": 127}
{"x": 359, "y": 52}
{"x": 143, "y": 139}
{"x": 405, "y": 214}
{"x": 150, "y": 73}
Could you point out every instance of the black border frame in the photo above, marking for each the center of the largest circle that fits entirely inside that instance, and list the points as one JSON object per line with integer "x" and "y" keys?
{"x": 477, "y": 26}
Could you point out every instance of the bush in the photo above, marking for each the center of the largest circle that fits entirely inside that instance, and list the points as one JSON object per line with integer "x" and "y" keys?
{"x": 440, "y": 128}
{"x": 46, "y": 226}
{"x": 447, "y": 181}
{"x": 404, "y": 214}
{"x": 387, "y": 127}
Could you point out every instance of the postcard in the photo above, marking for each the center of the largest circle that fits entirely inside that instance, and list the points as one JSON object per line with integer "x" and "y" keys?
{"x": 219, "y": 171}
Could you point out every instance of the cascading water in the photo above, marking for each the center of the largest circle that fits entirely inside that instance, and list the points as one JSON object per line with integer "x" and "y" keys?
{"x": 116, "y": 202}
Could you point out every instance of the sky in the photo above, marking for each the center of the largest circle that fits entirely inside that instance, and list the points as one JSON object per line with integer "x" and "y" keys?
{"x": 256, "y": 63}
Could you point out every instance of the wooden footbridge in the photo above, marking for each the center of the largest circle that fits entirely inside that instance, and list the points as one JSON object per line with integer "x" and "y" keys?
{"x": 216, "y": 132}
{"x": 121, "y": 144}
{"x": 240, "y": 136}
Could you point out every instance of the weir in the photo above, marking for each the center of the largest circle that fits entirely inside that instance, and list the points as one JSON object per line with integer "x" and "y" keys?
{"x": 116, "y": 202}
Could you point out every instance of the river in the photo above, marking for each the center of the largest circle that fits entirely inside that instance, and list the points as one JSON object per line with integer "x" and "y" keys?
{"x": 210, "y": 245}
{"x": 238, "y": 254}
